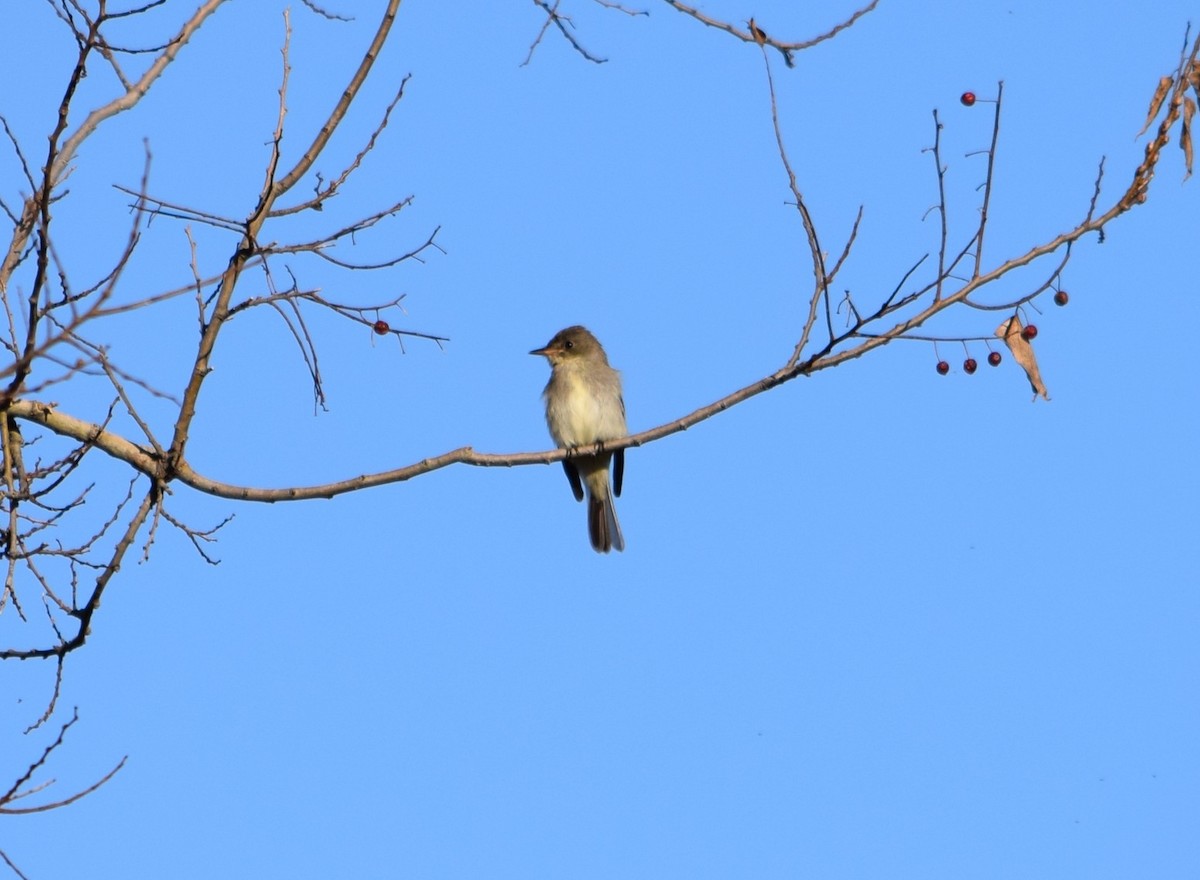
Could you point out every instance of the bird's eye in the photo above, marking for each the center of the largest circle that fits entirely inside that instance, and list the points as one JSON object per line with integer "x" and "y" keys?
{"x": 570, "y": 343}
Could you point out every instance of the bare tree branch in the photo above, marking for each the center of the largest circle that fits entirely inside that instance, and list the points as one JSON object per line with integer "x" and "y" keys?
{"x": 565, "y": 26}
{"x": 754, "y": 32}
{"x": 61, "y": 157}
{"x": 51, "y": 476}
{"x": 19, "y": 790}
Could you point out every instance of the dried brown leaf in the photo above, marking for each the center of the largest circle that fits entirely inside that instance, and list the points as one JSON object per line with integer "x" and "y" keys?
{"x": 1160, "y": 95}
{"x": 1185, "y": 135}
{"x": 760, "y": 36}
{"x": 1022, "y": 352}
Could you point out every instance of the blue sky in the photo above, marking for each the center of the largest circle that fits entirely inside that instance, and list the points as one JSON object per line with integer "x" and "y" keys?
{"x": 875, "y": 623}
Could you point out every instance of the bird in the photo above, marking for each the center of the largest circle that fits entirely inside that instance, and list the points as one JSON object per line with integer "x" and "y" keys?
{"x": 583, "y": 407}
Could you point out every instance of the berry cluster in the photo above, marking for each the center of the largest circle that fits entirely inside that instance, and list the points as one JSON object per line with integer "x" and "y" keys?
{"x": 1029, "y": 332}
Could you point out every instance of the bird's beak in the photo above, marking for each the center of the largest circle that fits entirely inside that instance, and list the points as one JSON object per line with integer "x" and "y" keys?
{"x": 544, "y": 352}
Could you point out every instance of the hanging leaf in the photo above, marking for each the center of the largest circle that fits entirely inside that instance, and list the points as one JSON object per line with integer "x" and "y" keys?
{"x": 1022, "y": 351}
{"x": 1185, "y": 135}
{"x": 759, "y": 35}
{"x": 1160, "y": 94}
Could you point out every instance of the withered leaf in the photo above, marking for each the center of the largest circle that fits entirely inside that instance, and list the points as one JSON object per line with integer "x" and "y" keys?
{"x": 1160, "y": 95}
{"x": 1022, "y": 352}
{"x": 759, "y": 35}
{"x": 1185, "y": 135}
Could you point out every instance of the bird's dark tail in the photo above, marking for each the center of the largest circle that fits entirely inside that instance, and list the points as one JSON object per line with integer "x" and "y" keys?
{"x": 603, "y": 528}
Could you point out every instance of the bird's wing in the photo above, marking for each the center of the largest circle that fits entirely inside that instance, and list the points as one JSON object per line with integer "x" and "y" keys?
{"x": 573, "y": 478}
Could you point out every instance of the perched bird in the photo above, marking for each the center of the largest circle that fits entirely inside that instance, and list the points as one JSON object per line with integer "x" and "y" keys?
{"x": 583, "y": 407}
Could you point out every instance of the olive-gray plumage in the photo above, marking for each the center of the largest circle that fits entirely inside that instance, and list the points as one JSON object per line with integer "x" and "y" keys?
{"x": 583, "y": 407}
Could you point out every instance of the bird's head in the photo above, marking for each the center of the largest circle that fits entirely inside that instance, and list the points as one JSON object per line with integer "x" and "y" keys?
{"x": 574, "y": 344}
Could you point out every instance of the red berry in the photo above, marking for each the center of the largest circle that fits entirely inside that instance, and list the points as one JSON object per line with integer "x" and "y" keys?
{"x": 994, "y": 358}
{"x": 943, "y": 368}
{"x": 1061, "y": 298}
{"x": 382, "y": 328}
{"x": 969, "y": 366}
{"x": 1029, "y": 332}
{"x": 968, "y": 99}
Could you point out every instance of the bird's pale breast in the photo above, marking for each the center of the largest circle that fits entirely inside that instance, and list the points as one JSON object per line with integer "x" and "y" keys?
{"x": 590, "y": 410}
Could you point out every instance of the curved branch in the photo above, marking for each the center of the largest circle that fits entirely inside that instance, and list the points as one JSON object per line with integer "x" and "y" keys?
{"x": 177, "y": 468}
{"x": 15, "y": 792}
{"x": 113, "y": 444}
{"x": 151, "y": 465}
{"x": 755, "y": 34}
